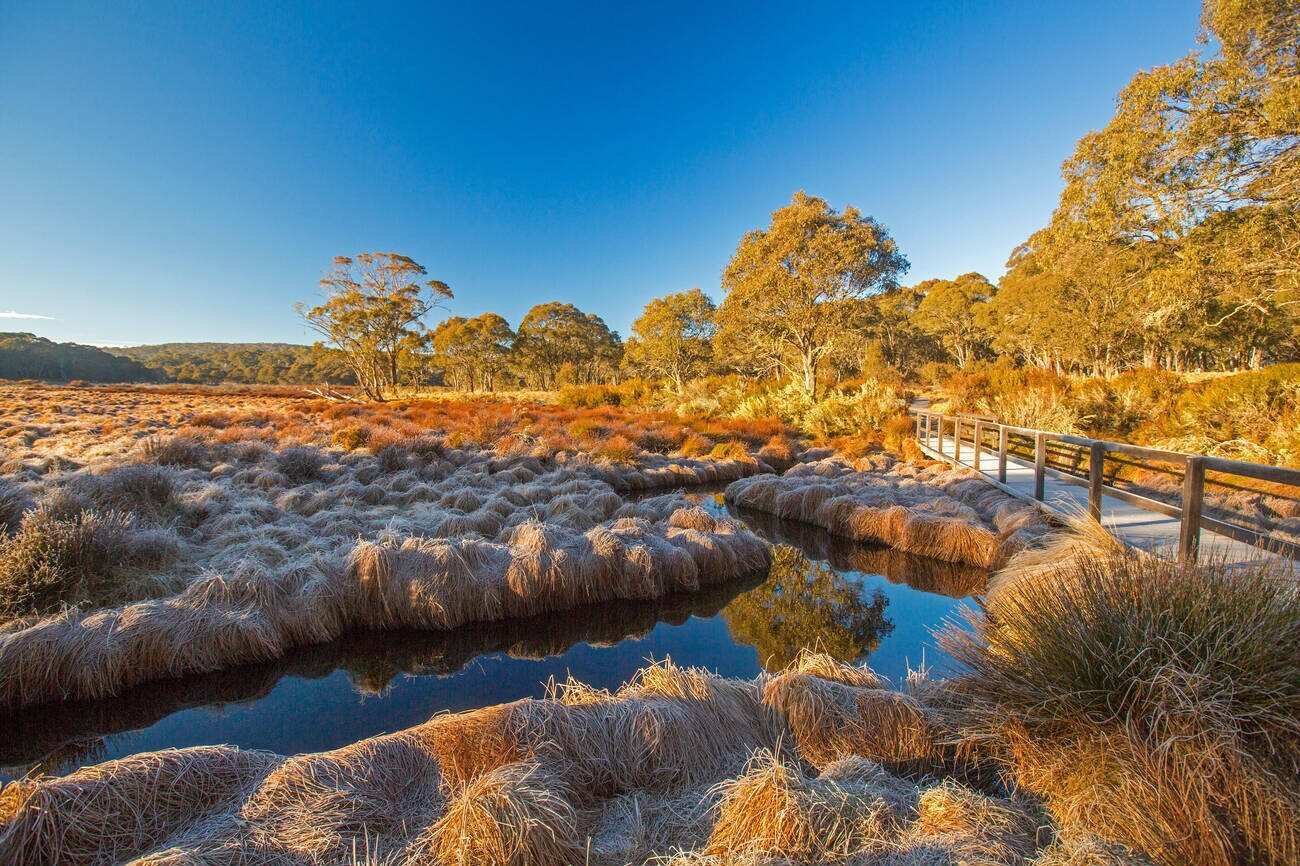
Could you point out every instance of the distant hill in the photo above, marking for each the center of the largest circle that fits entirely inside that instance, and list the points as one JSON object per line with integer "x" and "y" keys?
{"x": 244, "y": 363}
{"x": 27, "y": 356}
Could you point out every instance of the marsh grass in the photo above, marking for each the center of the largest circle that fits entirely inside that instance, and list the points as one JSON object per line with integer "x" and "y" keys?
{"x": 1154, "y": 704}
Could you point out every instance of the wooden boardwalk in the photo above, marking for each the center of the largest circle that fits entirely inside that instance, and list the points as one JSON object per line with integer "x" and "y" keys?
{"x": 1143, "y": 529}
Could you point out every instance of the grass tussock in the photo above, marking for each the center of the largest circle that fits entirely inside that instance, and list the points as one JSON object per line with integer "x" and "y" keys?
{"x": 928, "y": 510}
{"x": 57, "y": 559}
{"x": 413, "y": 582}
{"x": 1152, "y": 704}
{"x": 677, "y": 761}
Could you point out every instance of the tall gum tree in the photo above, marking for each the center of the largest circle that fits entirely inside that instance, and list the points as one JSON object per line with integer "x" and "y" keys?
{"x": 790, "y": 287}
{"x": 373, "y": 312}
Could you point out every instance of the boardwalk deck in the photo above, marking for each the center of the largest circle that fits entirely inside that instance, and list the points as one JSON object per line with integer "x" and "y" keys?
{"x": 1146, "y": 530}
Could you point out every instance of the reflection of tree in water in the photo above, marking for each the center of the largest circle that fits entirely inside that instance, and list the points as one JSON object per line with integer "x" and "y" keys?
{"x": 804, "y": 603}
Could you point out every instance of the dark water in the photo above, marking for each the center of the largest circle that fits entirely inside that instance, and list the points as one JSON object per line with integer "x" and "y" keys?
{"x": 855, "y": 602}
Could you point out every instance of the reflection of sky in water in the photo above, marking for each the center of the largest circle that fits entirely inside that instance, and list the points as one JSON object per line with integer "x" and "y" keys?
{"x": 299, "y": 710}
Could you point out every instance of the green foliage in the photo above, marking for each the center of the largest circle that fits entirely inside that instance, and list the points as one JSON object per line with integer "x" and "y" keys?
{"x": 793, "y": 287}
{"x": 373, "y": 313}
{"x": 1116, "y": 407}
{"x": 473, "y": 353}
{"x": 242, "y": 363}
{"x": 628, "y": 393}
{"x": 26, "y": 356}
{"x": 856, "y": 412}
{"x": 558, "y": 341}
{"x": 954, "y": 312}
{"x": 1174, "y": 239}
{"x": 1252, "y": 415}
{"x": 672, "y": 337}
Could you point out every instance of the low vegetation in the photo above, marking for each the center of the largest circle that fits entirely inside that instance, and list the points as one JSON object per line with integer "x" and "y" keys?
{"x": 1114, "y": 710}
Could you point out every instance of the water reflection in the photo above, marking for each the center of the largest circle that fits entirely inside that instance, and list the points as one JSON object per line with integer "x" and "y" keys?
{"x": 805, "y": 603}
{"x": 918, "y": 572}
{"x": 51, "y": 736}
{"x": 855, "y": 602}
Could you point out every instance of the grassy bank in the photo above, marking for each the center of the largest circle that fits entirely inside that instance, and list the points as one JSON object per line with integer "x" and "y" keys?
{"x": 1109, "y": 710}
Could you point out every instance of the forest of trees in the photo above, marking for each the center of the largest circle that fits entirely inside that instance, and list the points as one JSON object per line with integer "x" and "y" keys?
{"x": 1175, "y": 245}
{"x": 241, "y": 363}
{"x": 27, "y": 356}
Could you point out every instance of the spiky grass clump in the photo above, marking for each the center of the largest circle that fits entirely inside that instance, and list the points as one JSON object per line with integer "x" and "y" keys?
{"x": 774, "y": 809}
{"x": 55, "y": 560}
{"x": 14, "y": 503}
{"x": 1151, "y": 703}
{"x": 516, "y": 815}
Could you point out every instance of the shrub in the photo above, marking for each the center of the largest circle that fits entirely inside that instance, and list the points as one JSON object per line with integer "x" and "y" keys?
{"x": 617, "y": 448}
{"x": 696, "y": 445}
{"x": 1257, "y": 407}
{"x": 778, "y": 452}
{"x": 351, "y": 438}
{"x": 898, "y": 432}
{"x": 730, "y": 450}
{"x": 182, "y": 451}
{"x": 55, "y": 559}
{"x": 856, "y": 412}
{"x": 589, "y": 396}
{"x": 1149, "y": 703}
{"x": 587, "y": 428}
{"x": 300, "y": 465}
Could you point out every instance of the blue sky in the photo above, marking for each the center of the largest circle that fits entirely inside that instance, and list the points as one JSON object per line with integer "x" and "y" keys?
{"x": 186, "y": 171}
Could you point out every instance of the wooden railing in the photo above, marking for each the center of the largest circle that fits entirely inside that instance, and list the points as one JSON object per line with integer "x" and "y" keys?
{"x": 1088, "y": 466}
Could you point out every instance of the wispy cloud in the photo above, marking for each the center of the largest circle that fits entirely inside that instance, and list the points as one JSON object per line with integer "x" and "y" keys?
{"x": 14, "y": 314}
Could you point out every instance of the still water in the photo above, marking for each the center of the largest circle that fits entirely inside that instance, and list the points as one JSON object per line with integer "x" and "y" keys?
{"x": 858, "y": 603}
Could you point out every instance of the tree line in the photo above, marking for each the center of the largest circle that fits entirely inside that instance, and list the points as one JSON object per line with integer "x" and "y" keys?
{"x": 1175, "y": 245}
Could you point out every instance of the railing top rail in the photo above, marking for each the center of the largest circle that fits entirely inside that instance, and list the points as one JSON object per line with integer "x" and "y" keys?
{"x": 1260, "y": 471}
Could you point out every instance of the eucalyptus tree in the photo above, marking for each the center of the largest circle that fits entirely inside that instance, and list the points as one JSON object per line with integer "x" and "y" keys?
{"x": 791, "y": 287}
{"x": 671, "y": 338}
{"x": 373, "y": 312}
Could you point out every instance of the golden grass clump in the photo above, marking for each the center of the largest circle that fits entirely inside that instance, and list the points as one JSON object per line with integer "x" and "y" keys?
{"x": 1151, "y": 703}
{"x": 122, "y": 808}
{"x": 832, "y": 717}
{"x": 774, "y": 809}
{"x": 516, "y": 815}
{"x": 677, "y": 763}
{"x": 414, "y": 582}
{"x": 931, "y": 511}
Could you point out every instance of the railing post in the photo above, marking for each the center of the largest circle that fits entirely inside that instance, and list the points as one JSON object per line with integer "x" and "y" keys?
{"x": 1189, "y": 532}
{"x": 956, "y": 438}
{"x": 919, "y": 416}
{"x": 940, "y": 449}
{"x": 1096, "y": 463}
{"x": 1040, "y": 463}
{"x": 1002, "y": 454}
{"x": 979, "y": 443}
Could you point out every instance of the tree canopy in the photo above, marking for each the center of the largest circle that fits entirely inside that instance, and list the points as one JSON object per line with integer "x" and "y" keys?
{"x": 373, "y": 313}
{"x": 557, "y": 338}
{"x": 672, "y": 337}
{"x": 789, "y": 286}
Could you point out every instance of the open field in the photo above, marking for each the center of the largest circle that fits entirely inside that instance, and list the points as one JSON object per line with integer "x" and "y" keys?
{"x": 164, "y": 547}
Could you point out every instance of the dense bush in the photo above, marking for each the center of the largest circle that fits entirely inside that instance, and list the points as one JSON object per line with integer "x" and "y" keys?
{"x": 632, "y": 392}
